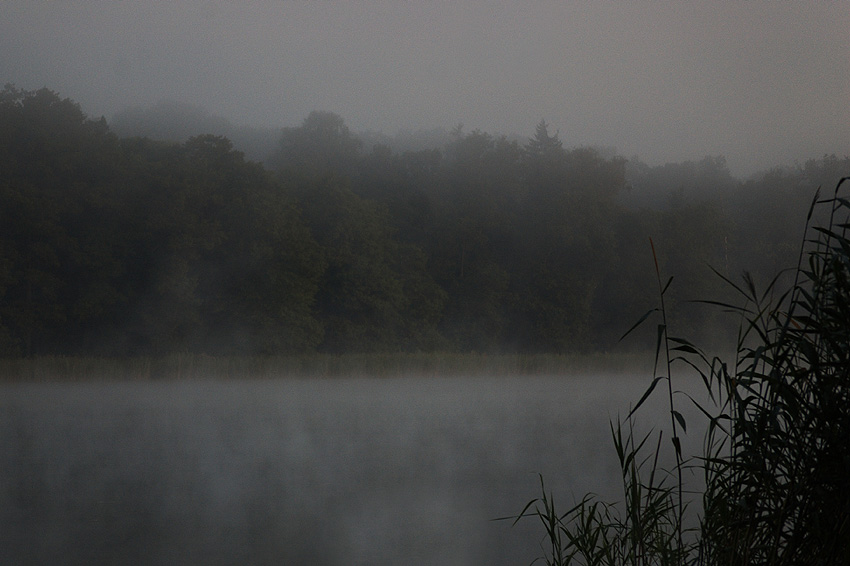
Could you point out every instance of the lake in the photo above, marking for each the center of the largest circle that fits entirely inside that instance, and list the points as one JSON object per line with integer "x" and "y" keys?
{"x": 326, "y": 471}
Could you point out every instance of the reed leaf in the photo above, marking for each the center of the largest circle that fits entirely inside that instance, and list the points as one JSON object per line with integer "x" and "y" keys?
{"x": 776, "y": 451}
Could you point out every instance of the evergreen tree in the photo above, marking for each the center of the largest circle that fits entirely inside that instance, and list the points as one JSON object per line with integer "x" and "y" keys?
{"x": 543, "y": 144}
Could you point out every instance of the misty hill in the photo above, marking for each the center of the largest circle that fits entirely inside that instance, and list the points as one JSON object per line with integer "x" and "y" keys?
{"x": 178, "y": 121}
{"x": 175, "y": 121}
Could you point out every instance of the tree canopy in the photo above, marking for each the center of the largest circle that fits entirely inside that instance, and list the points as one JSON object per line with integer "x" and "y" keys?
{"x": 123, "y": 246}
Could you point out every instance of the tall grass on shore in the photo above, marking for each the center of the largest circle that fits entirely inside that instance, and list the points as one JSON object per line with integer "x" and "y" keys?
{"x": 776, "y": 453}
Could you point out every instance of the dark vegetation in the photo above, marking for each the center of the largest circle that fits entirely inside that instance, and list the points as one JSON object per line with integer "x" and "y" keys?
{"x": 123, "y": 246}
{"x": 775, "y": 465}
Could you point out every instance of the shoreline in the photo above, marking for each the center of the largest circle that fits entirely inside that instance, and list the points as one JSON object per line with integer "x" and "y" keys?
{"x": 388, "y": 365}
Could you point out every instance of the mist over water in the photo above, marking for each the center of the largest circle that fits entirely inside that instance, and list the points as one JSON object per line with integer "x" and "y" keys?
{"x": 290, "y": 471}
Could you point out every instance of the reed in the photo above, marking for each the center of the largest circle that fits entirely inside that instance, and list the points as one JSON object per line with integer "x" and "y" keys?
{"x": 776, "y": 453}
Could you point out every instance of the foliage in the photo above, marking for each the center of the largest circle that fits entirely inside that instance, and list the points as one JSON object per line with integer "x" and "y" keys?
{"x": 778, "y": 473}
{"x": 128, "y": 246}
{"x": 776, "y": 459}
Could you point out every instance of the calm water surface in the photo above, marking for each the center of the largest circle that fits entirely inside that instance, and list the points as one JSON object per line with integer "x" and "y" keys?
{"x": 291, "y": 472}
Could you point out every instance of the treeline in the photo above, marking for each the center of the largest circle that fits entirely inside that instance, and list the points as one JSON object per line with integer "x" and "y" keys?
{"x": 129, "y": 246}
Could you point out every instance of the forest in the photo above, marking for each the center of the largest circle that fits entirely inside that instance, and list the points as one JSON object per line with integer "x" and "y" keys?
{"x": 128, "y": 246}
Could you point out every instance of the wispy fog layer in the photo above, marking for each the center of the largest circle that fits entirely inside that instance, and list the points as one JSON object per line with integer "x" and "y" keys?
{"x": 762, "y": 83}
{"x": 323, "y": 472}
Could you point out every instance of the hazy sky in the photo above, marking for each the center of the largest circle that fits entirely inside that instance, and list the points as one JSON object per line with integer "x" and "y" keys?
{"x": 762, "y": 83}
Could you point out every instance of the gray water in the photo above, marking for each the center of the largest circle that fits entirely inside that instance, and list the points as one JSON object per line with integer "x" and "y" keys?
{"x": 297, "y": 472}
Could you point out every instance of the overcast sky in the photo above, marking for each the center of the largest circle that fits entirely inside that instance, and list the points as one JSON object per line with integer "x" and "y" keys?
{"x": 762, "y": 83}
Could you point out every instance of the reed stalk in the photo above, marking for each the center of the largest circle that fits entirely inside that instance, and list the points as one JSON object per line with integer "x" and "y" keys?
{"x": 776, "y": 452}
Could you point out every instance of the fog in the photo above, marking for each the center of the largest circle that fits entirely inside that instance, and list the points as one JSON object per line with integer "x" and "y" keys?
{"x": 762, "y": 83}
{"x": 320, "y": 471}
{"x": 370, "y": 471}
